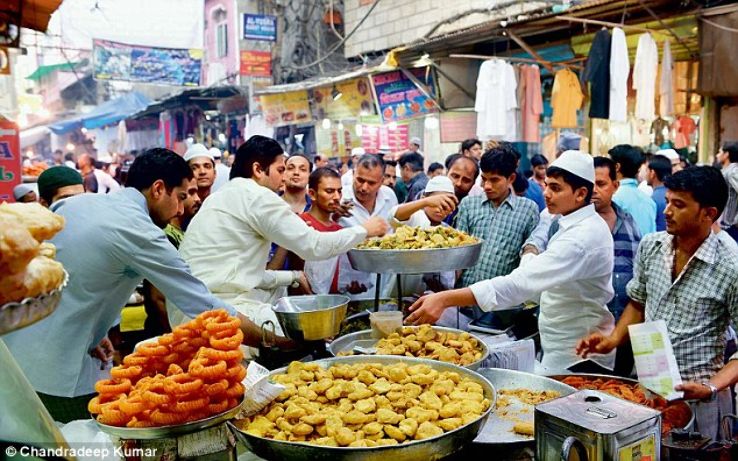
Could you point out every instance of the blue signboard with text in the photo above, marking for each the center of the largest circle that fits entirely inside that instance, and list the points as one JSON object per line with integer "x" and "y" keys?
{"x": 260, "y": 27}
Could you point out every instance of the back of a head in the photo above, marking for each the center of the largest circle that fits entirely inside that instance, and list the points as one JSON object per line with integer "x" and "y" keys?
{"x": 705, "y": 183}
{"x": 413, "y": 160}
{"x": 158, "y": 164}
{"x": 54, "y": 178}
{"x": 257, "y": 149}
{"x": 500, "y": 160}
{"x": 661, "y": 166}
{"x": 320, "y": 173}
{"x": 731, "y": 147}
{"x": 630, "y": 158}
{"x": 520, "y": 185}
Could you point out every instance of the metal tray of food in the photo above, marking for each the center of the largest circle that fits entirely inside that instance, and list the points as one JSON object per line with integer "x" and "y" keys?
{"x": 415, "y": 261}
{"x": 499, "y": 426}
{"x": 17, "y": 315}
{"x": 347, "y": 342}
{"x": 427, "y": 449}
{"x": 680, "y": 406}
{"x": 163, "y": 432}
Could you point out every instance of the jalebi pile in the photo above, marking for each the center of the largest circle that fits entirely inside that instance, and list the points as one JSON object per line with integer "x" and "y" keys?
{"x": 190, "y": 374}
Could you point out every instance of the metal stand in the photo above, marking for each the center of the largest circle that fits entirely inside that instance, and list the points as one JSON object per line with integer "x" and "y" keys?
{"x": 377, "y": 289}
{"x": 400, "y": 304}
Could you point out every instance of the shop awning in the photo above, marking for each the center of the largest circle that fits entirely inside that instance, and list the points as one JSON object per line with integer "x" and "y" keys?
{"x": 205, "y": 98}
{"x": 35, "y": 14}
{"x": 108, "y": 113}
{"x": 31, "y": 136}
{"x": 43, "y": 71}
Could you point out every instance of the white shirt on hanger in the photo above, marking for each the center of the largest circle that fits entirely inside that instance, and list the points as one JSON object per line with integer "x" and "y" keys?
{"x": 666, "y": 87}
{"x": 496, "y": 101}
{"x": 619, "y": 70}
{"x": 644, "y": 77}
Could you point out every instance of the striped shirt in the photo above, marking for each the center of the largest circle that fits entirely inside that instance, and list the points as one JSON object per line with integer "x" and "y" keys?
{"x": 730, "y": 214}
{"x": 697, "y": 306}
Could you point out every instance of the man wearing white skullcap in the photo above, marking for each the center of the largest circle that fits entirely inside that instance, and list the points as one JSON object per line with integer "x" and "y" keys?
{"x": 202, "y": 163}
{"x": 24, "y": 193}
{"x": 572, "y": 276}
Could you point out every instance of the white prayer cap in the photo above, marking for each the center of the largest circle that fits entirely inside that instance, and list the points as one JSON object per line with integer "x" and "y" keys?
{"x": 415, "y": 141}
{"x": 357, "y": 151}
{"x": 439, "y": 184}
{"x": 197, "y": 150}
{"x": 577, "y": 163}
{"x": 21, "y": 190}
{"x": 215, "y": 152}
{"x": 671, "y": 154}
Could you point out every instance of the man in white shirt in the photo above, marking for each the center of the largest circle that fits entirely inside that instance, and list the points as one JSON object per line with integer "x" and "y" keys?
{"x": 227, "y": 243}
{"x": 572, "y": 276}
{"x": 347, "y": 179}
{"x": 103, "y": 183}
{"x": 368, "y": 199}
{"x": 222, "y": 172}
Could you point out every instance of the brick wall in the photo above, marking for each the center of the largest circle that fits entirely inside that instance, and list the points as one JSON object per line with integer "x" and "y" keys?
{"x": 397, "y": 22}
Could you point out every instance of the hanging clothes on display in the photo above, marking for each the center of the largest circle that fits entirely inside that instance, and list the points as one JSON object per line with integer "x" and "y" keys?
{"x": 597, "y": 73}
{"x": 619, "y": 70}
{"x": 531, "y": 103}
{"x": 644, "y": 77}
{"x": 666, "y": 83}
{"x": 496, "y": 101}
{"x": 660, "y": 129}
{"x": 566, "y": 99}
{"x": 684, "y": 127}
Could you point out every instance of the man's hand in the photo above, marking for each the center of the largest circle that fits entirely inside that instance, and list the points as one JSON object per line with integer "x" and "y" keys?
{"x": 530, "y": 249}
{"x": 376, "y": 226}
{"x": 103, "y": 352}
{"x": 595, "y": 344}
{"x": 427, "y": 309}
{"x": 356, "y": 288}
{"x": 343, "y": 211}
{"x": 304, "y": 284}
{"x": 694, "y": 391}
{"x": 445, "y": 202}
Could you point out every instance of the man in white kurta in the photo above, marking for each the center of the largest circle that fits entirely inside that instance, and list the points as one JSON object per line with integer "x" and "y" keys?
{"x": 573, "y": 275}
{"x": 227, "y": 243}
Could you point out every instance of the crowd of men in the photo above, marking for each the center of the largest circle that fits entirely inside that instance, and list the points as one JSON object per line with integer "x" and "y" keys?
{"x": 600, "y": 243}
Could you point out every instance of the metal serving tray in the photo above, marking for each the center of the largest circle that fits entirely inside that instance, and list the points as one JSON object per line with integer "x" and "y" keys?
{"x": 415, "y": 261}
{"x": 17, "y": 315}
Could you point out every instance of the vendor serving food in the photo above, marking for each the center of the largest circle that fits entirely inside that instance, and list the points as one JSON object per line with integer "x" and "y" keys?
{"x": 572, "y": 276}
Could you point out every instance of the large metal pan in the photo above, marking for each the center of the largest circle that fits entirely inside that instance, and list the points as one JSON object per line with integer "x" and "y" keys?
{"x": 415, "y": 261}
{"x": 499, "y": 428}
{"x": 649, "y": 393}
{"x": 347, "y": 342}
{"x": 17, "y": 315}
{"x": 433, "y": 448}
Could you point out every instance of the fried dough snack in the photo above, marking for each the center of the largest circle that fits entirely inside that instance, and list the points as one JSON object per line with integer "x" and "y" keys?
{"x": 417, "y": 238}
{"x": 190, "y": 374}
{"x": 366, "y": 405}
{"x": 42, "y": 275}
{"x": 17, "y": 247}
{"x": 673, "y": 414}
{"x": 40, "y": 222}
{"x": 425, "y": 342}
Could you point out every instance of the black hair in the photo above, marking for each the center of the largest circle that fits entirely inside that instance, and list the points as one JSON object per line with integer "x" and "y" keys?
{"x": 705, "y": 183}
{"x": 155, "y": 164}
{"x": 69, "y": 157}
{"x": 434, "y": 167}
{"x": 499, "y": 160}
{"x": 660, "y": 165}
{"x": 731, "y": 147}
{"x": 520, "y": 185}
{"x": 258, "y": 149}
{"x": 390, "y": 163}
{"x": 310, "y": 163}
{"x": 574, "y": 181}
{"x": 630, "y": 158}
{"x": 538, "y": 160}
{"x": 320, "y": 173}
{"x": 413, "y": 159}
{"x": 604, "y": 162}
{"x": 469, "y": 143}
{"x": 452, "y": 159}
{"x": 370, "y": 161}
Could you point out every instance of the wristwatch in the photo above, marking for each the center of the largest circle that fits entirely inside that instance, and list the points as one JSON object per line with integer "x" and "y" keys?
{"x": 295, "y": 279}
{"x": 713, "y": 390}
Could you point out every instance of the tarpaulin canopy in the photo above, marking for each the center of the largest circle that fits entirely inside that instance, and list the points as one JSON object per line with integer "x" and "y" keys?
{"x": 107, "y": 113}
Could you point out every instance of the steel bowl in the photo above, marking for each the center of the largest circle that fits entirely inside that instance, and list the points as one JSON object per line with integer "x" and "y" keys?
{"x": 346, "y": 343}
{"x": 165, "y": 432}
{"x": 421, "y": 450}
{"x": 17, "y": 315}
{"x": 312, "y": 317}
{"x": 415, "y": 261}
{"x": 649, "y": 393}
{"x": 498, "y": 429}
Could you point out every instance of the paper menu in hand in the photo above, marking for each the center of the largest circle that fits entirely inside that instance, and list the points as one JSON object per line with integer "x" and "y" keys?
{"x": 654, "y": 358}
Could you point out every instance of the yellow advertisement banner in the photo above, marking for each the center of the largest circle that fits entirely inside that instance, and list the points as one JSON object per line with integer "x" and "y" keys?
{"x": 355, "y": 100}
{"x": 335, "y": 142}
{"x": 286, "y": 108}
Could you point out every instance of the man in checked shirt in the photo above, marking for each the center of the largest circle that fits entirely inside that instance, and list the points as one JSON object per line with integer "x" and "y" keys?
{"x": 687, "y": 277}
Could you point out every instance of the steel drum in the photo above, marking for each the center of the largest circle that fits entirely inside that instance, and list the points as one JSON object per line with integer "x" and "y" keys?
{"x": 415, "y": 261}
{"x": 312, "y": 317}
{"x": 499, "y": 429}
{"x": 346, "y": 343}
{"x": 419, "y": 450}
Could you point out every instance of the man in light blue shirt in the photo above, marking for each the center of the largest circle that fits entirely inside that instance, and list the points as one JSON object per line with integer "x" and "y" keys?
{"x": 640, "y": 206}
{"x": 110, "y": 243}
